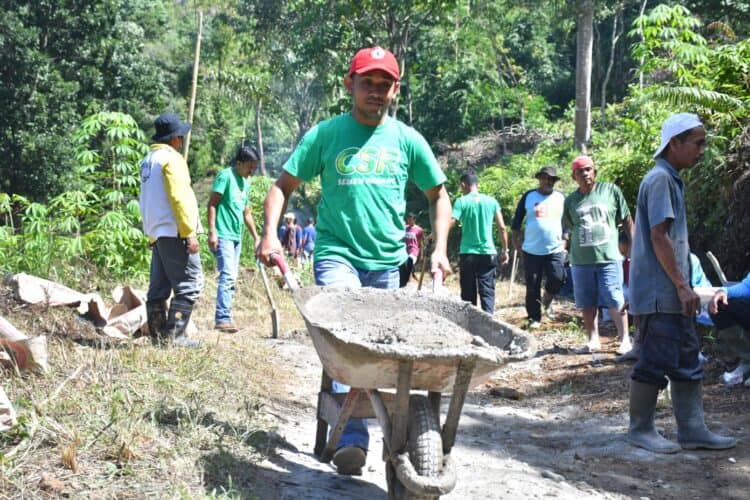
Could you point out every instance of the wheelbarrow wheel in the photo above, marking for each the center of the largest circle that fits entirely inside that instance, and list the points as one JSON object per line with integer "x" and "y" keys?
{"x": 425, "y": 447}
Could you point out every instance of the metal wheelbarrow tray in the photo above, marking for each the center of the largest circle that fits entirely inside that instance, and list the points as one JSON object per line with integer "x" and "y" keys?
{"x": 365, "y": 338}
{"x": 336, "y": 316}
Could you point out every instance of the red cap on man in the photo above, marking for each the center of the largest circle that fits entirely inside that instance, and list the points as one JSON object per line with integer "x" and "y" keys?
{"x": 582, "y": 162}
{"x": 372, "y": 59}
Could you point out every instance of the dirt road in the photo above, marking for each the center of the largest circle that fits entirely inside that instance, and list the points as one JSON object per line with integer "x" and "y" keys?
{"x": 563, "y": 438}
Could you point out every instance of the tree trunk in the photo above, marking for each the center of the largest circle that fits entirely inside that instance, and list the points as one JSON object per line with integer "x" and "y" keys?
{"x": 502, "y": 122}
{"x": 640, "y": 30}
{"x": 616, "y": 33}
{"x": 194, "y": 87}
{"x": 583, "y": 74}
{"x": 259, "y": 135}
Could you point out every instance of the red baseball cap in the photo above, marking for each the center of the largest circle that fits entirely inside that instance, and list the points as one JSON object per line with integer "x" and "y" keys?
{"x": 374, "y": 58}
{"x": 581, "y": 162}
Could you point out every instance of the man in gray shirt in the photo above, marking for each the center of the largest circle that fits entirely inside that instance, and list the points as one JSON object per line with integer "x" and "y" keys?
{"x": 662, "y": 297}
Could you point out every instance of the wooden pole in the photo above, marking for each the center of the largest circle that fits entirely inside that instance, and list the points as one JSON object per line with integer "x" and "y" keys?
{"x": 196, "y": 61}
{"x": 422, "y": 253}
{"x": 513, "y": 268}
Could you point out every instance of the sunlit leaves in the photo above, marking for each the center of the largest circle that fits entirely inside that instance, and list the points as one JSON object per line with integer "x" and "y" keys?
{"x": 95, "y": 222}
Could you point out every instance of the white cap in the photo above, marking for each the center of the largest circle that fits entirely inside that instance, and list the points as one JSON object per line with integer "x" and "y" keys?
{"x": 289, "y": 215}
{"x": 675, "y": 125}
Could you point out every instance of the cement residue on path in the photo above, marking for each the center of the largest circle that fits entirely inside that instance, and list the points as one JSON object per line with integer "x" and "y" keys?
{"x": 561, "y": 434}
{"x": 485, "y": 468}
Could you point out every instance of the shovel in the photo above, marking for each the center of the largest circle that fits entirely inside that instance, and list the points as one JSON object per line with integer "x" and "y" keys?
{"x": 513, "y": 269}
{"x": 274, "y": 313}
{"x": 422, "y": 253}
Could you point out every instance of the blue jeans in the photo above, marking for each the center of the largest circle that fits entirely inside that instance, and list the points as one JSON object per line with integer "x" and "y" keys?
{"x": 330, "y": 272}
{"x": 228, "y": 264}
{"x": 597, "y": 285}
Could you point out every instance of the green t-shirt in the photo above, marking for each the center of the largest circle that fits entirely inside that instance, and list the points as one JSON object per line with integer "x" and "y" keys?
{"x": 363, "y": 172}
{"x": 475, "y": 211}
{"x": 593, "y": 219}
{"x": 234, "y": 191}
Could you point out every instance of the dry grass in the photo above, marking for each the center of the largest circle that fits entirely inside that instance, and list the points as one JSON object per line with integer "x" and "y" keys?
{"x": 136, "y": 421}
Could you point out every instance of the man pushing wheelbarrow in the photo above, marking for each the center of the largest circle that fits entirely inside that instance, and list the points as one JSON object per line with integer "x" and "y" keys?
{"x": 364, "y": 159}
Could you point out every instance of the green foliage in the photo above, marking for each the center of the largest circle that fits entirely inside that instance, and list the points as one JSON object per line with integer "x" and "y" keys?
{"x": 470, "y": 78}
{"x": 468, "y": 67}
{"x": 61, "y": 61}
{"x": 93, "y": 226}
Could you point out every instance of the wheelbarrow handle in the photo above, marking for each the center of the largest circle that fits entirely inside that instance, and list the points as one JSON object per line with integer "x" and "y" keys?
{"x": 277, "y": 260}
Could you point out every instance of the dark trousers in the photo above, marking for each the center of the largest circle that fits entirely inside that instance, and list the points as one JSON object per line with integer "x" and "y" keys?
{"x": 405, "y": 271}
{"x": 551, "y": 267}
{"x": 174, "y": 269}
{"x": 478, "y": 276}
{"x": 732, "y": 341}
{"x": 669, "y": 348}
{"x": 736, "y": 312}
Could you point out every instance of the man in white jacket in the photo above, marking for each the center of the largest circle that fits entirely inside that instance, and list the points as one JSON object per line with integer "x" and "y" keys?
{"x": 169, "y": 211}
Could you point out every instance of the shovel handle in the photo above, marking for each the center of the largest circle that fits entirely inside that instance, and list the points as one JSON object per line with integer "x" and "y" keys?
{"x": 277, "y": 260}
{"x": 437, "y": 282}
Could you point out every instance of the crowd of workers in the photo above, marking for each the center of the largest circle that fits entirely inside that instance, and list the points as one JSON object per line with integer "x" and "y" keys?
{"x": 364, "y": 159}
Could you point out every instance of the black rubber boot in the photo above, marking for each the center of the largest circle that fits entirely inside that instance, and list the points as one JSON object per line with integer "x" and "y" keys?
{"x": 692, "y": 433}
{"x": 156, "y": 319}
{"x": 177, "y": 322}
{"x": 642, "y": 432}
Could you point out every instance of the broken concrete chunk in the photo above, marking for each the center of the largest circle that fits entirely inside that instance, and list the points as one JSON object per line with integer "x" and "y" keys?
{"x": 26, "y": 353}
{"x": 33, "y": 290}
{"x": 7, "y": 413}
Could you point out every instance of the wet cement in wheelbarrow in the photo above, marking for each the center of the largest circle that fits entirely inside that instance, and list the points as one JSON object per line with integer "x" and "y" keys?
{"x": 418, "y": 328}
{"x": 391, "y": 319}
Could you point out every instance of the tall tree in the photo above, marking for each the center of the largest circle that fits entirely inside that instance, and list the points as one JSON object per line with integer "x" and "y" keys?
{"x": 60, "y": 61}
{"x": 585, "y": 42}
{"x": 617, "y": 30}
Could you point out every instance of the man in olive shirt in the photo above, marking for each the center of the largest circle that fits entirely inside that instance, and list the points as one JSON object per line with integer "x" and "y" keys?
{"x": 478, "y": 256}
{"x": 593, "y": 212}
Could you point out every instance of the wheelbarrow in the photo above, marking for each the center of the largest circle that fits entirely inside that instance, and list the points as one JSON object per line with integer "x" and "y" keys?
{"x": 365, "y": 339}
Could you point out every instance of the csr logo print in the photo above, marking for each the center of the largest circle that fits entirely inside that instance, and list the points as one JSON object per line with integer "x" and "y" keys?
{"x": 369, "y": 160}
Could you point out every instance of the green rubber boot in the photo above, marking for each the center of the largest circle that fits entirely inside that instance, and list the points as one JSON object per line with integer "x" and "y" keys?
{"x": 642, "y": 431}
{"x": 692, "y": 433}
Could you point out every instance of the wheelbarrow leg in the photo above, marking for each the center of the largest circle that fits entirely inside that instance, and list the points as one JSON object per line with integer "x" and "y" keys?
{"x": 381, "y": 412}
{"x": 396, "y": 438}
{"x": 460, "y": 388}
{"x": 321, "y": 436}
{"x": 434, "y": 398}
{"x": 400, "y": 418}
{"x": 350, "y": 403}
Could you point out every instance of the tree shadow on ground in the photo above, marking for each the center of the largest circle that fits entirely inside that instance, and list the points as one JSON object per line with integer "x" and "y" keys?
{"x": 278, "y": 477}
{"x": 575, "y": 424}
{"x": 275, "y": 476}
